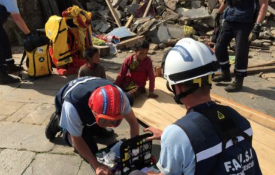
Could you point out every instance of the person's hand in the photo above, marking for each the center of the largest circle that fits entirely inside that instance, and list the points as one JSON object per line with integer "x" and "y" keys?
{"x": 217, "y": 19}
{"x": 156, "y": 133}
{"x": 255, "y": 32}
{"x": 103, "y": 170}
{"x": 152, "y": 95}
{"x": 28, "y": 37}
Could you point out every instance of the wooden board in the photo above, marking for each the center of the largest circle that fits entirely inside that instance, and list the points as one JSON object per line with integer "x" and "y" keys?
{"x": 113, "y": 13}
{"x": 163, "y": 111}
{"x": 249, "y": 113}
{"x": 129, "y": 42}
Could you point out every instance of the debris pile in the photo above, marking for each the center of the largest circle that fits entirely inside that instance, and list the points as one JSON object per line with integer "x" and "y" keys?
{"x": 164, "y": 22}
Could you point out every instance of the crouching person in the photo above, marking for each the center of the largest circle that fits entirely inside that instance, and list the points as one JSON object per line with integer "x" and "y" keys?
{"x": 85, "y": 107}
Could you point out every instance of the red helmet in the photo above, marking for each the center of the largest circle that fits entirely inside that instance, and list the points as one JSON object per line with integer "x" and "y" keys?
{"x": 107, "y": 105}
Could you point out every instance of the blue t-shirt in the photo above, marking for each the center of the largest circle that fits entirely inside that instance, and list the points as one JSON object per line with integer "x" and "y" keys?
{"x": 11, "y": 5}
{"x": 71, "y": 121}
{"x": 177, "y": 156}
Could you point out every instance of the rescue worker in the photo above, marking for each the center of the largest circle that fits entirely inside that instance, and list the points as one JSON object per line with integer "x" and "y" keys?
{"x": 85, "y": 107}
{"x": 242, "y": 21}
{"x": 7, "y": 8}
{"x": 210, "y": 138}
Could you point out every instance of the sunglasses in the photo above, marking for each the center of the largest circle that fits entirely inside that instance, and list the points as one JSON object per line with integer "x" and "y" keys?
{"x": 107, "y": 121}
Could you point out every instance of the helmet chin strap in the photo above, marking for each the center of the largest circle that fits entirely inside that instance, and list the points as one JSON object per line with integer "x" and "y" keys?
{"x": 182, "y": 94}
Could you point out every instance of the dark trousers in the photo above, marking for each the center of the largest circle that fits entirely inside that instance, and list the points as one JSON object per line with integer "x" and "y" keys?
{"x": 5, "y": 50}
{"x": 239, "y": 31}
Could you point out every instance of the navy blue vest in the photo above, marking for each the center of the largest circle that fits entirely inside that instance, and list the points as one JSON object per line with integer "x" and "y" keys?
{"x": 207, "y": 145}
{"x": 78, "y": 92}
{"x": 246, "y": 12}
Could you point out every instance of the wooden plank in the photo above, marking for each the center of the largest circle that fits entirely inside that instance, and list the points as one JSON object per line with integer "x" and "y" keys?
{"x": 248, "y": 113}
{"x": 147, "y": 8}
{"x": 113, "y": 13}
{"x": 129, "y": 42}
{"x": 129, "y": 21}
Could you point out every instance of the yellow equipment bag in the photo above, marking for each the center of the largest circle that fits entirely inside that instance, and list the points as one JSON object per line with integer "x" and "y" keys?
{"x": 39, "y": 63}
{"x": 61, "y": 41}
{"x": 38, "y": 59}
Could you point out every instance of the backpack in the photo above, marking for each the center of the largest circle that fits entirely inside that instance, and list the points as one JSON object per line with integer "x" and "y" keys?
{"x": 62, "y": 41}
{"x": 38, "y": 59}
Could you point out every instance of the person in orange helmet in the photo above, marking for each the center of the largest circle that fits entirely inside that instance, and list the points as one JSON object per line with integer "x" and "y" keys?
{"x": 85, "y": 107}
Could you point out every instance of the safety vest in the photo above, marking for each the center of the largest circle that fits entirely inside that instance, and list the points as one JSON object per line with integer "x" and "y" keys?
{"x": 244, "y": 11}
{"x": 78, "y": 92}
{"x": 214, "y": 154}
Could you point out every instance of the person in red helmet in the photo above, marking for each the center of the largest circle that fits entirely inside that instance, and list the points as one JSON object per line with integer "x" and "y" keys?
{"x": 84, "y": 108}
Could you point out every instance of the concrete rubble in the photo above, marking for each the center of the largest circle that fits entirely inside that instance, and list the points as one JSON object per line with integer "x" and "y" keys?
{"x": 166, "y": 19}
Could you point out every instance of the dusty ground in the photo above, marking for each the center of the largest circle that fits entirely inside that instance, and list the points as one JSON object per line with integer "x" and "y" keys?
{"x": 25, "y": 110}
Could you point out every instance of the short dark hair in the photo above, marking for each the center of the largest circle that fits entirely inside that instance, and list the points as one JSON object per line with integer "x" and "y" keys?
{"x": 90, "y": 52}
{"x": 141, "y": 44}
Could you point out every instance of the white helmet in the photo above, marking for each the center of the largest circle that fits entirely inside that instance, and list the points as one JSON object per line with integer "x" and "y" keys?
{"x": 189, "y": 60}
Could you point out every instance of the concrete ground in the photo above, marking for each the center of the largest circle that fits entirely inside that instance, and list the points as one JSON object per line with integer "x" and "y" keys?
{"x": 25, "y": 110}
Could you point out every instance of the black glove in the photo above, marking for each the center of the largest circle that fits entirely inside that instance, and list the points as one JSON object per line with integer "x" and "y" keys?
{"x": 255, "y": 32}
{"x": 217, "y": 19}
{"x": 28, "y": 42}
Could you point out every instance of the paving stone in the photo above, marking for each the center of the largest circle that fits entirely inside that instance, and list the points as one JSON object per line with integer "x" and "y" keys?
{"x": 14, "y": 162}
{"x": 55, "y": 164}
{"x": 39, "y": 115}
{"x": 24, "y": 136}
{"x": 31, "y": 96}
{"x": 85, "y": 169}
{"x": 63, "y": 149}
{"x": 22, "y": 112}
{"x": 8, "y": 108}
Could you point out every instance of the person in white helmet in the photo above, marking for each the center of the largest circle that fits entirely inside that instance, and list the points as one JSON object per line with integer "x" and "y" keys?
{"x": 210, "y": 138}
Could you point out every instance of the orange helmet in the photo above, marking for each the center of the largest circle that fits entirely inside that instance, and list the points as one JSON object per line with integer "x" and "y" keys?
{"x": 107, "y": 105}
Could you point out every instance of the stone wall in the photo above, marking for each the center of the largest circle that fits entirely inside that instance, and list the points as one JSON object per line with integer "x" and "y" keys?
{"x": 31, "y": 12}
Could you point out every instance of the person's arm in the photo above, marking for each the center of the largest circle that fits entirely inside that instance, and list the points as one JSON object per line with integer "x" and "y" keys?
{"x": 123, "y": 72}
{"x": 86, "y": 153}
{"x": 262, "y": 11}
{"x": 20, "y": 23}
{"x": 222, "y": 7}
{"x": 150, "y": 72}
{"x": 132, "y": 120}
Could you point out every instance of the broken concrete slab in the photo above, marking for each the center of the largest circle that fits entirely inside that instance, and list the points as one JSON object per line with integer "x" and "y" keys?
{"x": 163, "y": 34}
{"x": 14, "y": 162}
{"x": 55, "y": 164}
{"x": 212, "y": 4}
{"x": 153, "y": 46}
{"x": 170, "y": 15}
{"x": 24, "y": 136}
{"x": 195, "y": 4}
{"x": 172, "y": 4}
{"x": 194, "y": 14}
{"x": 175, "y": 31}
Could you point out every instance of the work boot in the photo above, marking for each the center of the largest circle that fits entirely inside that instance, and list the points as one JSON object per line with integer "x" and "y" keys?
{"x": 224, "y": 76}
{"x": 236, "y": 86}
{"x": 7, "y": 79}
{"x": 13, "y": 69}
{"x": 102, "y": 132}
{"x": 53, "y": 127}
